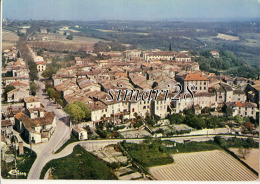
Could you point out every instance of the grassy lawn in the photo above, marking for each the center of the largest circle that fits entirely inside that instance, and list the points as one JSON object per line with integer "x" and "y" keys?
{"x": 24, "y": 164}
{"x": 79, "y": 165}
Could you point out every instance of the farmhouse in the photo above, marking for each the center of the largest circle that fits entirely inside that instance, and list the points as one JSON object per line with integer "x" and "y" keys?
{"x": 215, "y": 54}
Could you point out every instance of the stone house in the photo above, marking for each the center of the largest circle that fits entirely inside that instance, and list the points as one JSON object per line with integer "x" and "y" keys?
{"x": 17, "y": 95}
{"x": 244, "y": 109}
{"x": 80, "y": 133}
{"x": 200, "y": 82}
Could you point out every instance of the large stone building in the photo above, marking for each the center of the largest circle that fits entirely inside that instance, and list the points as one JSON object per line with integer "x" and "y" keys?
{"x": 199, "y": 81}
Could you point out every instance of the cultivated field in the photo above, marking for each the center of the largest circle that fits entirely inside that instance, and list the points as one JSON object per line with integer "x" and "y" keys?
{"x": 204, "y": 166}
{"x": 9, "y": 39}
{"x": 252, "y": 159}
{"x": 227, "y": 37}
{"x": 60, "y": 43}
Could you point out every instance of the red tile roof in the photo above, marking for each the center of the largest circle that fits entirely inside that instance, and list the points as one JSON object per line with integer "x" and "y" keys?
{"x": 195, "y": 77}
{"x": 19, "y": 83}
{"x": 239, "y": 104}
{"x": 41, "y": 63}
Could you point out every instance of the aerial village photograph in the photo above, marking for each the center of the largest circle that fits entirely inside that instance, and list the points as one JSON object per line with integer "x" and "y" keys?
{"x": 130, "y": 90}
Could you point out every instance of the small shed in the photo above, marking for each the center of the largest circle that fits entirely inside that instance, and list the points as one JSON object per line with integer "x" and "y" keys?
{"x": 80, "y": 133}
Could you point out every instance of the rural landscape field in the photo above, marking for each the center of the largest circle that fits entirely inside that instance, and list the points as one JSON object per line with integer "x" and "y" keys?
{"x": 204, "y": 166}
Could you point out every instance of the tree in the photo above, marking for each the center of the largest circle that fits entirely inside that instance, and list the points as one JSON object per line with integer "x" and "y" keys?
{"x": 176, "y": 118}
{"x": 34, "y": 88}
{"x": 60, "y": 101}
{"x": 243, "y": 151}
{"x": 18, "y": 54}
{"x": 238, "y": 119}
{"x": 84, "y": 108}
{"x": 70, "y": 37}
{"x": 170, "y": 47}
{"x": 229, "y": 111}
{"x": 249, "y": 125}
{"x": 150, "y": 121}
{"x": 49, "y": 72}
{"x": 3, "y": 61}
{"x": 56, "y": 95}
{"x": 75, "y": 112}
{"x": 50, "y": 92}
{"x": 48, "y": 84}
{"x": 218, "y": 140}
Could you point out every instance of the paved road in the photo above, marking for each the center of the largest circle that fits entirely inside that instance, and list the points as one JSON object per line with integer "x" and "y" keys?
{"x": 45, "y": 150}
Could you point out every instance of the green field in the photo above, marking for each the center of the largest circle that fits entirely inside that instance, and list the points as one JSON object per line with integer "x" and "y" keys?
{"x": 79, "y": 165}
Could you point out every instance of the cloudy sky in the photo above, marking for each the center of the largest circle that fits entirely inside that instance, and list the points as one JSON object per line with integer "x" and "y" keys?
{"x": 130, "y": 9}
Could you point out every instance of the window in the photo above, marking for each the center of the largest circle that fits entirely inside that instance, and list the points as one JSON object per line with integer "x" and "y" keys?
{"x": 157, "y": 108}
{"x": 200, "y": 88}
{"x": 133, "y": 110}
{"x": 205, "y": 83}
{"x": 204, "y": 88}
{"x": 252, "y": 112}
{"x": 245, "y": 113}
{"x": 144, "y": 107}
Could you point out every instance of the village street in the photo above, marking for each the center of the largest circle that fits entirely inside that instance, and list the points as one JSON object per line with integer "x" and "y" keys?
{"x": 60, "y": 136}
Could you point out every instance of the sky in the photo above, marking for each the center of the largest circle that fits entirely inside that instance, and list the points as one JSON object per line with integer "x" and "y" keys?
{"x": 89, "y": 10}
